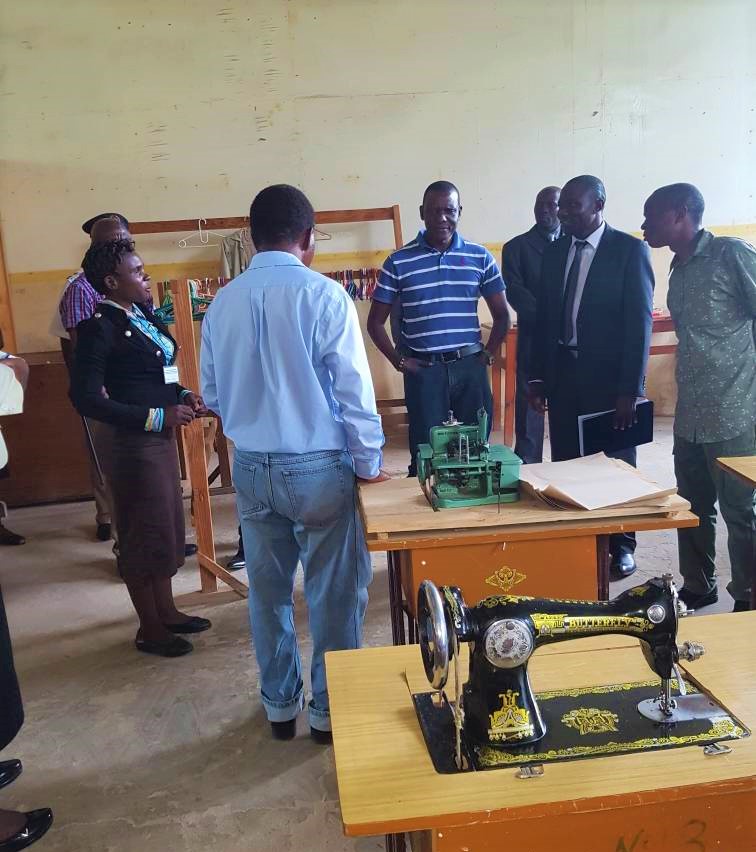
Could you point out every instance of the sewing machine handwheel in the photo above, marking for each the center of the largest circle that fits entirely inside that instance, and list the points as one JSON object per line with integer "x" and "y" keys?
{"x": 434, "y": 634}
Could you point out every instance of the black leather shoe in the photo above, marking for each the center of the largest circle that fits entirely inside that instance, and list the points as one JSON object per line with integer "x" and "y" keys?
{"x": 9, "y": 771}
{"x": 175, "y": 647}
{"x": 284, "y": 730}
{"x": 190, "y": 549}
{"x": 37, "y": 824}
{"x": 193, "y": 624}
{"x": 236, "y": 562}
{"x": 622, "y": 565}
{"x": 740, "y": 606}
{"x": 9, "y": 537}
{"x": 103, "y": 532}
{"x": 695, "y": 601}
{"x": 321, "y": 737}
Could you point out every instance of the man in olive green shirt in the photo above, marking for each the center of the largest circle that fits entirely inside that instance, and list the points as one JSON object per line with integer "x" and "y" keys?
{"x": 712, "y": 300}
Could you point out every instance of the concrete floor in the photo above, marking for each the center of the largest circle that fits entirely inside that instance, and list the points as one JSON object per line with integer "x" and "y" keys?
{"x": 137, "y": 753}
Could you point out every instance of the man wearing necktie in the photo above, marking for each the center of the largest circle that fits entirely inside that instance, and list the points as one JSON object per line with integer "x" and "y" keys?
{"x": 593, "y": 330}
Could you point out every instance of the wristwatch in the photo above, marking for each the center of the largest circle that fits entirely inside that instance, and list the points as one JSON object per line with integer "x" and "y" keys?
{"x": 489, "y": 358}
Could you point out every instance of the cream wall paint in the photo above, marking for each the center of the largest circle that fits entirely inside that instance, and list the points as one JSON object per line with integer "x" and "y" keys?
{"x": 177, "y": 109}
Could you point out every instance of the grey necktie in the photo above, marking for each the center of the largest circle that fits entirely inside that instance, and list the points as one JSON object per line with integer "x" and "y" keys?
{"x": 570, "y": 291}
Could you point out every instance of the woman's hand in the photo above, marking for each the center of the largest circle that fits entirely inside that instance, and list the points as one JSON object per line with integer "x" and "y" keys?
{"x": 196, "y": 403}
{"x": 177, "y": 415}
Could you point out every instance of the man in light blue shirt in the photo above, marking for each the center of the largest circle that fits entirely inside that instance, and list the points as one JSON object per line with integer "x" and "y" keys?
{"x": 283, "y": 363}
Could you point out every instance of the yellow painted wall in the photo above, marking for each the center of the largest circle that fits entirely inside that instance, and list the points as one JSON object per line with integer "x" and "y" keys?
{"x": 179, "y": 109}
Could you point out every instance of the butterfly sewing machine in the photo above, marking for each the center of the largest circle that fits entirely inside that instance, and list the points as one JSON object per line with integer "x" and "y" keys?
{"x": 458, "y": 467}
{"x": 496, "y": 719}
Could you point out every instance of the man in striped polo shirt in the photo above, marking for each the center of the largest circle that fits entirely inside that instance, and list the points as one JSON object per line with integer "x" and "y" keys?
{"x": 438, "y": 279}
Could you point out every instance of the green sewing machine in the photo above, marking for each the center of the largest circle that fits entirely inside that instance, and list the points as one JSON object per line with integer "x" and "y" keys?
{"x": 460, "y": 468}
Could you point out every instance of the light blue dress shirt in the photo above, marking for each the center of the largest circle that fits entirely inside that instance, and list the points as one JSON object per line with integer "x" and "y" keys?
{"x": 283, "y": 363}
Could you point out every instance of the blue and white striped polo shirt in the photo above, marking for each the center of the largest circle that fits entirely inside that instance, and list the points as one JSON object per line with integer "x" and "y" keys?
{"x": 439, "y": 291}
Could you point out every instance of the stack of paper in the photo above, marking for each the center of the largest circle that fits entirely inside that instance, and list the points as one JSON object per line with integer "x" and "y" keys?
{"x": 592, "y": 482}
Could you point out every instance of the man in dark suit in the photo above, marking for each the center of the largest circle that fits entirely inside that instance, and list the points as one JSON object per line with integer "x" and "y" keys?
{"x": 521, "y": 260}
{"x": 593, "y": 330}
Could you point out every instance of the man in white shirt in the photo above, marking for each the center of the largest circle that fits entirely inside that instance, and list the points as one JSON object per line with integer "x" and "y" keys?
{"x": 593, "y": 330}
{"x": 283, "y": 363}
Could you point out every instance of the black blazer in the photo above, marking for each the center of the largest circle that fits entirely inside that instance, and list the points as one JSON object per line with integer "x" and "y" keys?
{"x": 521, "y": 264}
{"x": 112, "y": 353}
{"x": 613, "y": 322}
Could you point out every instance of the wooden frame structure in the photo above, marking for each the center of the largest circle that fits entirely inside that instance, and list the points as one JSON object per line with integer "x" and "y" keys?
{"x": 210, "y": 570}
{"x": 7, "y": 329}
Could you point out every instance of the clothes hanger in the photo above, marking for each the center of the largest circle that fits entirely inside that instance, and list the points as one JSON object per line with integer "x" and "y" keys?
{"x": 202, "y": 235}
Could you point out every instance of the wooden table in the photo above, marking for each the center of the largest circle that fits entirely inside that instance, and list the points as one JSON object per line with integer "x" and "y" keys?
{"x": 522, "y": 548}
{"x": 744, "y": 467}
{"x": 678, "y": 800}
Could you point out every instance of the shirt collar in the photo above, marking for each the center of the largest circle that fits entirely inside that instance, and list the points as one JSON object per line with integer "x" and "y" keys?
{"x": 135, "y": 311}
{"x": 547, "y": 238}
{"x": 703, "y": 245}
{"x": 265, "y": 259}
{"x": 593, "y": 239}
{"x": 456, "y": 243}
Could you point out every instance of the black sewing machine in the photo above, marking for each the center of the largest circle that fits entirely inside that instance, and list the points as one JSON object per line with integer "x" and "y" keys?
{"x": 497, "y": 709}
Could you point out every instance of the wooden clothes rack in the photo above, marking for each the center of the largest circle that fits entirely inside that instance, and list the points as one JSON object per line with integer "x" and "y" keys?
{"x": 210, "y": 570}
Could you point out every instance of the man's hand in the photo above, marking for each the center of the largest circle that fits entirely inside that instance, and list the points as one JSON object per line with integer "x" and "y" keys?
{"x": 196, "y": 403}
{"x": 624, "y": 416}
{"x": 177, "y": 415}
{"x": 381, "y": 477}
{"x": 536, "y": 397}
{"x": 413, "y": 365}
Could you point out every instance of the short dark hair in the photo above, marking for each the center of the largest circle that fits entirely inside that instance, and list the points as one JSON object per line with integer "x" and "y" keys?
{"x": 280, "y": 214}
{"x": 87, "y": 226}
{"x": 592, "y": 183}
{"x": 102, "y": 259}
{"x": 675, "y": 196}
{"x": 445, "y": 186}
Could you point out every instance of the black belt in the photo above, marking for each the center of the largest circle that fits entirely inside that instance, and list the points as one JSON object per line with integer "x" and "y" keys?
{"x": 443, "y": 357}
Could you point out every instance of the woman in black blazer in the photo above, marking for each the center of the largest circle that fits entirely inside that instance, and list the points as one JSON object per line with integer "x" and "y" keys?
{"x": 125, "y": 375}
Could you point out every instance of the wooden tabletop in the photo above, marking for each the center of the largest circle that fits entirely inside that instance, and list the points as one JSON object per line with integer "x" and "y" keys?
{"x": 387, "y": 782}
{"x": 744, "y": 467}
{"x": 397, "y": 515}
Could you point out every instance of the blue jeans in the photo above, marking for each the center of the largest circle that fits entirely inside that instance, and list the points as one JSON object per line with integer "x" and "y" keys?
{"x": 301, "y": 508}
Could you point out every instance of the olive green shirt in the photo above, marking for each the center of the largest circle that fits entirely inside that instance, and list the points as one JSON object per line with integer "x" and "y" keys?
{"x": 712, "y": 300}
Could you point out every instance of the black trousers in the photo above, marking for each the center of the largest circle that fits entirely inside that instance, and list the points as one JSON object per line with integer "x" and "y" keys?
{"x": 565, "y": 405}
{"x": 460, "y": 386}
{"x": 529, "y": 424}
{"x": 11, "y": 708}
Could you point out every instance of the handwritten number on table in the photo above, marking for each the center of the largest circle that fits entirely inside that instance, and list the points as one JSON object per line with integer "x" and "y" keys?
{"x": 694, "y": 832}
{"x": 695, "y": 829}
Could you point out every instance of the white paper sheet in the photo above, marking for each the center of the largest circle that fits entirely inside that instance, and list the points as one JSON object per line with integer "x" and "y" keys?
{"x": 591, "y": 482}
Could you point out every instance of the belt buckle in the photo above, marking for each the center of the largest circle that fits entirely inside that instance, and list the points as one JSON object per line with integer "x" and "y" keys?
{"x": 452, "y": 356}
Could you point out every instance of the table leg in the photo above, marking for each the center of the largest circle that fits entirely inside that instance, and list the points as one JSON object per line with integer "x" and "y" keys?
{"x": 602, "y": 566}
{"x": 393, "y": 557}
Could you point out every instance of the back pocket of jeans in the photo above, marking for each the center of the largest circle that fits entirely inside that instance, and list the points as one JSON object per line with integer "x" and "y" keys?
{"x": 317, "y": 495}
{"x": 244, "y": 481}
